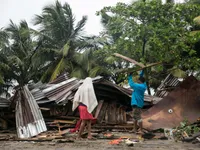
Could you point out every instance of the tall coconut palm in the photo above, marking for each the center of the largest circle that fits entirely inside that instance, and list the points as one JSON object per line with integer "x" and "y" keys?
{"x": 4, "y": 82}
{"x": 62, "y": 41}
{"x": 18, "y": 53}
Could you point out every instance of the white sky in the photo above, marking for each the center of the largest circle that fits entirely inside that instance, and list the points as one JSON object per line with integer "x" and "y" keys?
{"x": 25, "y": 9}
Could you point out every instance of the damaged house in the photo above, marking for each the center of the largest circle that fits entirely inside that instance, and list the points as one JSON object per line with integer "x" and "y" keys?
{"x": 51, "y": 105}
{"x": 53, "y": 102}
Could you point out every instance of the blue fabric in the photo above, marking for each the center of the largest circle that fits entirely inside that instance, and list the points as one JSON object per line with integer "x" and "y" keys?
{"x": 138, "y": 93}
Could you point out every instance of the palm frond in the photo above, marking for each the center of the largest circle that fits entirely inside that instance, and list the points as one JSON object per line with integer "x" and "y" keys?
{"x": 197, "y": 20}
{"x": 15, "y": 60}
{"x": 66, "y": 49}
{"x": 80, "y": 26}
{"x": 58, "y": 69}
{"x": 110, "y": 59}
{"x": 105, "y": 19}
{"x": 1, "y": 79}
{"x": 78, "y": 73}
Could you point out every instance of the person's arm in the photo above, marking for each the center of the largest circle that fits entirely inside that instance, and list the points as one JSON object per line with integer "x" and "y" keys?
{"x": 130, "y": 81}
{"x": 141, "y": 73}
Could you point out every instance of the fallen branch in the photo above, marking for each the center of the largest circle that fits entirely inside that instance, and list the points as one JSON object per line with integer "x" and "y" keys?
{"x": 189, "y": 139}
{"x": 129, "y": 59}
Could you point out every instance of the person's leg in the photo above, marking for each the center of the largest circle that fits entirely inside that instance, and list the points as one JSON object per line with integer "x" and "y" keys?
{"x": 140, "y": 125}
{"x": 140, "y": 120}
{"x": 81, "y": 128}
{"x": 135, "y": 126}
{"x": 89, "y": 122}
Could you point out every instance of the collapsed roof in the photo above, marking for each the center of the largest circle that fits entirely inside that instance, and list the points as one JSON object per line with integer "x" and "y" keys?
{"x": 63, "y": 89}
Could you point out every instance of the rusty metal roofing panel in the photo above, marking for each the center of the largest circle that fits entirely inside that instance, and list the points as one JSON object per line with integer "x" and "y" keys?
{"x": 29, "y": 119}
{"x": 61, "y": 78}
{"x": 56, "y": 86}
{"x": 182, "y": 103}
{"x": 57, "y": 91}
{"x": 169, "y": 83}
{"x": 37, "y": 94}
{"x": 65, "y": 90}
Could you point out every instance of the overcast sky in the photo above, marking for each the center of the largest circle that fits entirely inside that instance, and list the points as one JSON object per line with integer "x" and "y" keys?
{"x": 25, "y": 9}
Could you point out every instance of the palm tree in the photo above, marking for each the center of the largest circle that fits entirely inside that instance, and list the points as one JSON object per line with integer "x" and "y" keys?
{"x": 194, "y": 1}
{"x": 18, "y": 52}
{"x": 63, "y": 42}
{"x": 4, "y": 81}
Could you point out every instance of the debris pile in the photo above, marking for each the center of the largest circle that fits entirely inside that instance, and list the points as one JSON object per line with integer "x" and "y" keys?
{"x": 113, "y": 110}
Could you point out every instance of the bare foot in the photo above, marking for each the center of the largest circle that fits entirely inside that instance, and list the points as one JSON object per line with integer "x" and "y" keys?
{"x": 79, "y": 138}
{"x": 91, "y": 138}
{"x": 140, "y": 132}
{"x": 133, "y": 131}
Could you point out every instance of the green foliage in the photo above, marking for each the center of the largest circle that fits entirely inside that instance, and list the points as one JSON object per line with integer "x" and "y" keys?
{"x": 62, "y": 42}
{"x": 185, "y": 127}
{"x": 152, "y": 32}
{"x": 16, "y": 56}
{"x": 147, "y": 31}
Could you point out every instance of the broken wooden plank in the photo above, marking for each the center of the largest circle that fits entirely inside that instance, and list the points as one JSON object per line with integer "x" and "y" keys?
{"x": 128, "y": 70}
{"x": 99, "y": 108}
{"x": 64, "y": 131}
{"x": 64, "y": 141}
{"x": 112, "y": 127}
{"x": 43, "y": 108}
{"x": 129, "y": 59}
{"x": 111, "y": 112}
{"x": 65, "y": 121}
{"x": 102, "y": 113}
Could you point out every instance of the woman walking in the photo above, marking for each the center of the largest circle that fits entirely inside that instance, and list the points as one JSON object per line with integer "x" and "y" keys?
{"x": 86, "y": 101}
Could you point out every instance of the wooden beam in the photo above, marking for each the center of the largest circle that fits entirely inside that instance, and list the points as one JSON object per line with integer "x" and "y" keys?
{"x": 129, "y": 59}
{"x": 127, "y": 70}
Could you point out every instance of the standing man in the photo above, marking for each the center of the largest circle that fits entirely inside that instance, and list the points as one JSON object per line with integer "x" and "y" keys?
{"x": 137, "y": 100}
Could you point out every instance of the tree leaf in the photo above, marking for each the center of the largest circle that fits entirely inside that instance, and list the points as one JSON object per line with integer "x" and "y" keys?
{"x": 59, "y": 68}
{"x": 66, "y": 49}
{"x": 178, "y": 73}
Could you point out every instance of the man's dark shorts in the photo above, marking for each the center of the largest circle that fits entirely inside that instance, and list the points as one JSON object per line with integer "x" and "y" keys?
{"x": 137, "y": 111}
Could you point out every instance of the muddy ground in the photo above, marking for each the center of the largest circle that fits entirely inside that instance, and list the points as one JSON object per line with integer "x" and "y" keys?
{"x": 99, "y": 144}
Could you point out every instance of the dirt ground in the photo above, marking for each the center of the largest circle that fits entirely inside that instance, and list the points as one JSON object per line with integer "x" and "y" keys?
{"x": 100, "y": 144}
{"x": 97, "y": 145}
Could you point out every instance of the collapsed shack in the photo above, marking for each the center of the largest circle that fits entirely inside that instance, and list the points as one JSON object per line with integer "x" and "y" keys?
{"x": 55, "y": 102}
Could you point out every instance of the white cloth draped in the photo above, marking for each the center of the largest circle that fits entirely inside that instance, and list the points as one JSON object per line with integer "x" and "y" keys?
{"x": 86, "y": 95}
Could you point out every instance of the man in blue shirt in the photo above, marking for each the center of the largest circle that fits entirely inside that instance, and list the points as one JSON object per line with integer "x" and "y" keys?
{"x": 137, "y": 100}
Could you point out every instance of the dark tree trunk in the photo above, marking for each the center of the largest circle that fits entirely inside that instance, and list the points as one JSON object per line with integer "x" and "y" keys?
{"x": 146, "y": 73}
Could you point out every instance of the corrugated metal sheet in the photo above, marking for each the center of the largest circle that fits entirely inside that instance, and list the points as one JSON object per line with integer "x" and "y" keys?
{"x": 4, "y": 102}
{"x": 61, "y": 78}
{"x": 180, "y": 104}
{"x": 29, "y": 119}
{"x": 61, "y": 92}
{"x": 169, "y": 83}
